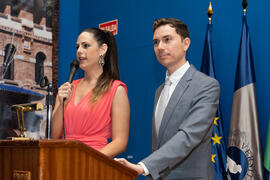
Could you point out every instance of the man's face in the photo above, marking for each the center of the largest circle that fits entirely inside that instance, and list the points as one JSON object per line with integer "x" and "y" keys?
{"x": 169, "y": 47}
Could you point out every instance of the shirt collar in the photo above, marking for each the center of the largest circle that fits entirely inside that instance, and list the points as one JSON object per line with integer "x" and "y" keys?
{"x": 178, "y": 74}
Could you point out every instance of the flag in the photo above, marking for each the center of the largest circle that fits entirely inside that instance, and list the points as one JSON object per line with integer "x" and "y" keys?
{"x": 218, "y": 144}
{"x": 267, "y": 150}
{"x": 244, "y": 150}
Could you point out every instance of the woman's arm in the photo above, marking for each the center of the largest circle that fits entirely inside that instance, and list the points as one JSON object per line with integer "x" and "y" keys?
{"x": 120, "y": 124}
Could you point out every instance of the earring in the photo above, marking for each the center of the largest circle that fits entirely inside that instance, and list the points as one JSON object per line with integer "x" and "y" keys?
{"x": 101, "y": 61}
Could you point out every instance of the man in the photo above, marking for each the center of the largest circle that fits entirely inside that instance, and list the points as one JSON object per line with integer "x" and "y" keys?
{"x": 182, "y": 119}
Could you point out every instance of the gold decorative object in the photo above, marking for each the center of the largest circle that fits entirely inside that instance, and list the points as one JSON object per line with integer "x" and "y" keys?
{"x": 244, "y": 5}
{"x": 20, "y": 109}
{"x": 210, "y": 13}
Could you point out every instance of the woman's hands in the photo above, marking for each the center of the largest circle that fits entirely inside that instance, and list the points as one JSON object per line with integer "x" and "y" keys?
{"x": 65, "y": 92}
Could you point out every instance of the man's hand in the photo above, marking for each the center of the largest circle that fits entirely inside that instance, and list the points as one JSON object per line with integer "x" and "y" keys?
{"x": 137, "y": 167}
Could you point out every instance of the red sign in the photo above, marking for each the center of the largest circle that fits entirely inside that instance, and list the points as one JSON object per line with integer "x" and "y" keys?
{"x": 110, "y": 26}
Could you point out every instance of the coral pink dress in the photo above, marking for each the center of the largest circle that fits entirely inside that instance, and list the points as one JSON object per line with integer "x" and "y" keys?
{"x": 91, "y": 125}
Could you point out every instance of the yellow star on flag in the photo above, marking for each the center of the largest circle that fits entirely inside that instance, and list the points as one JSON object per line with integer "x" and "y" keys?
{"x": 213, "y": 158}
{"x": 216, "y": 139}
{"x": 215, "y": 121}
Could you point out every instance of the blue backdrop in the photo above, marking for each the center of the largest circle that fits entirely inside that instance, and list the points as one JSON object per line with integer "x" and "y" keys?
{"x": 139, "y": 68}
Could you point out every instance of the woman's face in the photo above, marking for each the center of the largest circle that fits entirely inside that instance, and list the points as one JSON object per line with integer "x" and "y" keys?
{"x": 88, "y": 51}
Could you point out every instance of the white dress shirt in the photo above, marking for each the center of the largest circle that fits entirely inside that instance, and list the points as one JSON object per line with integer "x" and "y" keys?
{"x": 175, "y": 77}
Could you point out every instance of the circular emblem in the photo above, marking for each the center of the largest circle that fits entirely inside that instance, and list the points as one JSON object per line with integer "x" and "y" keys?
{"x": 237, "y": 163}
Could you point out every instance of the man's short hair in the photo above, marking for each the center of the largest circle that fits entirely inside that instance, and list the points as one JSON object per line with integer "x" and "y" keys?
{"x": 180, "y": 27}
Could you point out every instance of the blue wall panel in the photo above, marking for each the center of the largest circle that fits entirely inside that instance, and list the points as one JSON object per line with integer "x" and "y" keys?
{"x": 68, "y": 32}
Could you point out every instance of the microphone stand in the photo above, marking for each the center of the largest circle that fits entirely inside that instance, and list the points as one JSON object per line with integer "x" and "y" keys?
{"x": 63, "y": 115}
{"x": 49, "y": 103}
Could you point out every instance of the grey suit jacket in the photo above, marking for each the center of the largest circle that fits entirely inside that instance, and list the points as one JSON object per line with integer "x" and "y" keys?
{"x": 182, "y": 149}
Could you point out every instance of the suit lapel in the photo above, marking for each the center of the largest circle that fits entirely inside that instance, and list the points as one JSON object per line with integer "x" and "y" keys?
{"x": 175, "y": 97}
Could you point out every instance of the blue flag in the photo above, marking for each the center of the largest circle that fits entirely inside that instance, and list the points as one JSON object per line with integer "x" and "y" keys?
{"x": 244, "y": 150}
{"x": 218, "y": 145}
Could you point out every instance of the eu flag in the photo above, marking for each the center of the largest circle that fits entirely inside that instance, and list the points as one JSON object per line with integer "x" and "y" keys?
{"x": 244, "y": 149}
{"x": 218, "y": 144}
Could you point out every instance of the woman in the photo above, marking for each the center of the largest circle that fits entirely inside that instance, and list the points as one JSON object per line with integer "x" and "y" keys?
{"x": 96, "y": 106}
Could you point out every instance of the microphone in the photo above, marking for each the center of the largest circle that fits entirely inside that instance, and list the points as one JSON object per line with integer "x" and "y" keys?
{"x": 74, "y": 65}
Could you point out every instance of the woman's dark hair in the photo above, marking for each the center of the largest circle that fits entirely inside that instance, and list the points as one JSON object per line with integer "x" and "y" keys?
{"x": 110, "y": 68}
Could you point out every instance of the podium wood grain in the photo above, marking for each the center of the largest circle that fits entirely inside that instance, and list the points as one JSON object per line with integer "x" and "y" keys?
{"x": 58, "y": 160}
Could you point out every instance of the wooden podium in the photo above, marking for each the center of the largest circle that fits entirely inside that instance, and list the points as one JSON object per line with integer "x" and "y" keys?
{"x": 57, "y": 160}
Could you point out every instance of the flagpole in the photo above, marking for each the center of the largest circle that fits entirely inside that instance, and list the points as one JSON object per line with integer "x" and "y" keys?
{"x": 210, "y": 13}
{"x": 218, "y": 148}
{"x": 244, "y": 160}
{"x": 244, "y": 5}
